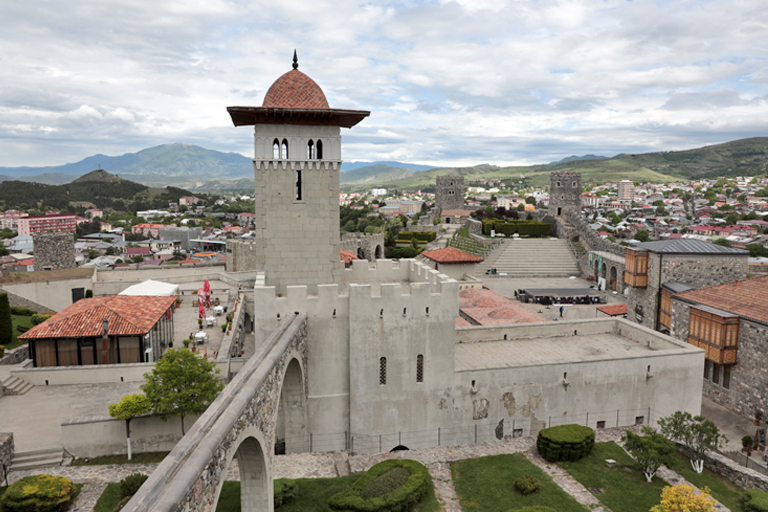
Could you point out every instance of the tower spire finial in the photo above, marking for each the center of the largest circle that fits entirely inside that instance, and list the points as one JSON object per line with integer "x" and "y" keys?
{"x": 295, "y": 60}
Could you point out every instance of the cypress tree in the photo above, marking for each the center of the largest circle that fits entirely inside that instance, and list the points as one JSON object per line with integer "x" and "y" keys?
{"x": 6, "y": 326}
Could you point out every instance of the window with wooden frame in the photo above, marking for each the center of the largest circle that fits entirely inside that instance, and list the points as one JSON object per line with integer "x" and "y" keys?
{"x": 715, "y": 331}
{"x": 665, "y": 310}
{"x": 636, "y": 268}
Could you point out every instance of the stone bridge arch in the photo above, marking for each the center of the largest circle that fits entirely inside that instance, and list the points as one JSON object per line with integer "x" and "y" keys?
{"x": 242, "y": 422}
{"x": 291, "y": 418}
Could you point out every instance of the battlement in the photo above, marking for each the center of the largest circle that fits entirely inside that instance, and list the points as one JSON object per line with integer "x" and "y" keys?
{"x": 386, "y": 271}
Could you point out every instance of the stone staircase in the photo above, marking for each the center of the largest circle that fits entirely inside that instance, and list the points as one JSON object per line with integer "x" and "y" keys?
{"x": 37, "y": 459}
{"x": 532, "y": 257}
{"x": 15, "y": 386}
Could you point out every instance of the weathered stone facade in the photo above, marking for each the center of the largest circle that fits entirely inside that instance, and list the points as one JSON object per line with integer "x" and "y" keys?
{"x": 16, "y": 355}
{"x": 54, "y": 251}
{"x": 449, "y": 193}
{"x": 475, "y": 227}
{"x": 698, "y": 270}
{"x": 6, "y": 453}
{"x": 243, "y": 421}
{"x": 366, "y": 246}
{"x": 564, "y": 192}
{"x": 749, "y": 376}
{"x": 242, "y": 256}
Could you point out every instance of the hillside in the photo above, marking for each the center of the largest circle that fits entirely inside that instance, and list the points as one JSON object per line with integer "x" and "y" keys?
{"x": 374, "y": 174}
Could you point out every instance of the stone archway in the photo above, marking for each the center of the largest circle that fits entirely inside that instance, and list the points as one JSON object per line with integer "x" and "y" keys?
{"x": 256, "y": 488}
{"x": 291, "y": 421}
{"x": 613, "y": 282}
{"x": 360, "y": 253}
{"x": 377, "y": 253}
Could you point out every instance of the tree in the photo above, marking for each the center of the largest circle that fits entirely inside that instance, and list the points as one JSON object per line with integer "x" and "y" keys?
{"x": 757, "y": 251}
{"x": 650, "y": 450}
{"x": 642, "y": 235}
{"x": 723, "y": 242}
{"x": 697, "y": 433}
{"x": 6, "y": 326}
{"x": 685, "y": 498}
{"x": 181, "y": 383}
{"x": 128, "y": 408}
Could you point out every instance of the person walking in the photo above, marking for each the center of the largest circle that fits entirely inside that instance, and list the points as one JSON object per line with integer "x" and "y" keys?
{"x": 561, "y": 311}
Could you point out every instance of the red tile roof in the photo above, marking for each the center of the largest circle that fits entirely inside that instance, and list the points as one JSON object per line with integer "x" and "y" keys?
{"x": 748, "y": 298}
{"x": 488, "y": 308}
{"x": 451, "y": 255}
{"x": 347, "y": 257}
{"x": 614, "y": 309}
{"x": 127, "y": 315}
{"x": 295, "y": 90}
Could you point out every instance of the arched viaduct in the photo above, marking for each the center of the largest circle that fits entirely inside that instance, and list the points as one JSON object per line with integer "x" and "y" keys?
{"x": 265, "y": 400}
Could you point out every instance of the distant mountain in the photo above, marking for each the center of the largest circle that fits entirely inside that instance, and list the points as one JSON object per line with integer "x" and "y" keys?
{"x": 99, "y": 175}
{"x": 3, "y": 177}
{"x": 49, "y": 178}
{"x": 351, "y": 166}
{"x": 575, "y": 158}
{"x": 375, "y": 175}
{"x": 167, "y": 160}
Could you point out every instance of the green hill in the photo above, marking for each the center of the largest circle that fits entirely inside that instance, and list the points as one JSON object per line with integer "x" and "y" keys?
{"x": 374, "y": 174}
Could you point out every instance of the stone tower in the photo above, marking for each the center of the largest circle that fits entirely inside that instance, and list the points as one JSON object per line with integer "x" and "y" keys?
{"x": 449, "y": 193}
{"x": 297, "y": 158}
{"x": 564, "y": 192}
{"x": 54, "y": 251}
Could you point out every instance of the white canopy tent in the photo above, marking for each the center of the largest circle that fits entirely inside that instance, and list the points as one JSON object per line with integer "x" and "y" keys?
{"x": 153, "y": 288}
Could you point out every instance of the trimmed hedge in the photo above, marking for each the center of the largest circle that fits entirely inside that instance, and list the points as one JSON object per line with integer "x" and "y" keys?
{"x": 755, "y": 501}
{"x": 400, "y": 499}
{"x": 565, "y": 442}
{"x": 130, "y": 484}
{"x": 422, "y": 236}
{"x": 521, "y": 227}
{"x": 20, "y": 311}
{"x": 37, "y": 319}
{"x": 286, "y": 491}
{"x": 39, "y": 493}
{"x": 403, "y": 252}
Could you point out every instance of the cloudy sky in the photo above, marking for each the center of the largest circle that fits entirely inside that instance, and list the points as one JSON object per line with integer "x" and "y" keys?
{"x": 447, "y": 82}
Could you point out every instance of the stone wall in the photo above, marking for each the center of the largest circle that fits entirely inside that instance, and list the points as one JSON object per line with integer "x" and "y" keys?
{"x": 16, "y": 355}
{"x": 18, "y": 300}
{"x": 742, "y": 477}
{"x": 368, "y": 246}
{"x": 449, "y": 193}
{"x": 54, "y": 251}
{"x": 475, "y": 227}
{"x": 6, "y": 452}
{"x": 242, "y": 256}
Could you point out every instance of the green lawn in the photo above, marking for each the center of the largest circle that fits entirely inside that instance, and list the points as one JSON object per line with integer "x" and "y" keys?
{"x": 19, "y": 320}
{"x": 314, "y": 494}
{"x": 486, "y": 484}
{"x": 722, "y": 490}
{"x": 109, "y": 499}
{"x": 625, "y": 491}
{"x": 136, "y": 458}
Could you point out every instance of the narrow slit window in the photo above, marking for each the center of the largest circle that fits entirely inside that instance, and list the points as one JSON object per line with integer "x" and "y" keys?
{"x": 727, "y": 376}
{"x": 319, "y": 150}
{"x": 276, "y": 149}
{"x": 383, "y": 371}
{"x": 298, "y": 186}
{"x": 310, "y": 150}
{"x": 420, "y": 368}
{"x": 284, "y": 150}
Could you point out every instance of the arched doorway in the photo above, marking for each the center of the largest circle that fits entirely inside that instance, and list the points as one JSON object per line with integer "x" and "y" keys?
{"x": 377, "y": 254}
{"x": 613, "y": 280}
{"x": 360, "y": 253}
{"x": 254, "y": 477}
{"x": 291, "y": 423}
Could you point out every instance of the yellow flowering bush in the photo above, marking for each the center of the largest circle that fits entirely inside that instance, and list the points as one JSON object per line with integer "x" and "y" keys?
{"x": 685, "y": 498}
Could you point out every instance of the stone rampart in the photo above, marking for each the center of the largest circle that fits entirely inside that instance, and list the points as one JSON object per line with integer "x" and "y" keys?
{"x": 742, "y": 477}
{"x": 6, "y": 453}
{"x": 15, "y": 355}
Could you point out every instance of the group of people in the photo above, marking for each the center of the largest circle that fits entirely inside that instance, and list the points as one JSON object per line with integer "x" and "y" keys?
{"x": 491, "y": 270}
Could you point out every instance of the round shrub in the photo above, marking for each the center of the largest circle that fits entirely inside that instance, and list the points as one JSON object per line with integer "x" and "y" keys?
{"x": 527, "y": 484}
{"x": 38, "y": 319}
{"x": 566, "y": 442}
{"x": 130, "y": 484}
{"x": 381, "y": 477}
{"x": 755, "y": 501}
{"x": 39, "y": 493}
{"x": 286, "y": 491}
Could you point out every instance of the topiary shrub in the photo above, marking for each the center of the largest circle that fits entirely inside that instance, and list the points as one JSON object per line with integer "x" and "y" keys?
{"x": 22, "y": 328}
{"x": 130, "y": 484}
{"x": 755, "y": 501}
{"x": 527, "y": 484}
{"x": 37, "y": 319}
{"x": 397, "y": 497}
{"x": 39, "y": 493}
{"x": 21, "y": 311}
{"x": 566, "y": 442}
{"x": 286, "y": 491}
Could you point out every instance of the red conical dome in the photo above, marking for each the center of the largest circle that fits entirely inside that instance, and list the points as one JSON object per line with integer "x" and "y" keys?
{"x": 295, "y": 90}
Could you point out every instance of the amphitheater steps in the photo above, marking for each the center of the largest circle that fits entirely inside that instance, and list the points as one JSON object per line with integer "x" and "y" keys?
{"x": 532, "y": 257}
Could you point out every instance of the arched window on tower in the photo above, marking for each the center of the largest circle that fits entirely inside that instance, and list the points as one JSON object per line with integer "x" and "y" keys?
{"x": 276, "y": 149}
{"x": 310, "y": 150}
{"x": 284, "y": 150}
{"x": 319, "y": 149}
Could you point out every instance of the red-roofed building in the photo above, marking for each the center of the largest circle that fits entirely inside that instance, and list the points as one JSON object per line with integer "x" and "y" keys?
{"x": 139, "y": 328}
{"x": 43, "y": 223}
{"x": 347, "y": 257}
{"x": 453, "y": 262}
{"x": 150, "y": 230}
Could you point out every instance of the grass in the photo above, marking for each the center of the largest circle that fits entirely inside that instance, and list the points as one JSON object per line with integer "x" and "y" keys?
{"x": 17, "y": 320}
{"x": 487, "y": 484}
{"x": 722, "y": 490}
{"x": 109, "y": 499}
{"x": 137, "y": 458}
{"x": 623, "y": 491}
{"x": 314, "y": 494}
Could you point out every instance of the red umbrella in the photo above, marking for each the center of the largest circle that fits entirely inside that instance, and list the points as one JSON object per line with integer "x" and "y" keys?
{"x": 201, "y": 313}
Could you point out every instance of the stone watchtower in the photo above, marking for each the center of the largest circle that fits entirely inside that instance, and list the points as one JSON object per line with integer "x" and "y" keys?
{"x": 54, "y": 251}
{"x": 449, "y": 193}
{"x": 564, "y": 192}
{"x": 297, "y": 158}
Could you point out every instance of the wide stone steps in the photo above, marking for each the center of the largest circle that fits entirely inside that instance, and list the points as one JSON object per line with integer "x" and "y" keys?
{"x": 15, "y": 386}
{"x": 37, "y": 459}
{"x": 534, "y": 257}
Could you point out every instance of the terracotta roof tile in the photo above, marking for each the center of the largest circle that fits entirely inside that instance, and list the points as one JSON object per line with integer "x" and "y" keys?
{"x": 127, "y": 315}
{"x": 451, "y": 255}
{"x": 748, "y": 299}
{"x": 295, "y": 90}
{"x": 347, "y": 257}
{"x": 488, "y": 308}
{"x": 614, "y": 309}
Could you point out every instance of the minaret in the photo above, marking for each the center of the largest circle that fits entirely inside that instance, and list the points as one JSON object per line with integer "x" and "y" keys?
{"x": 297, "y": 159}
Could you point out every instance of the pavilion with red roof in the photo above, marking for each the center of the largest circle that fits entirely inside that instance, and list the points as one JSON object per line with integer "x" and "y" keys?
{"x": 453, "y": 262}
